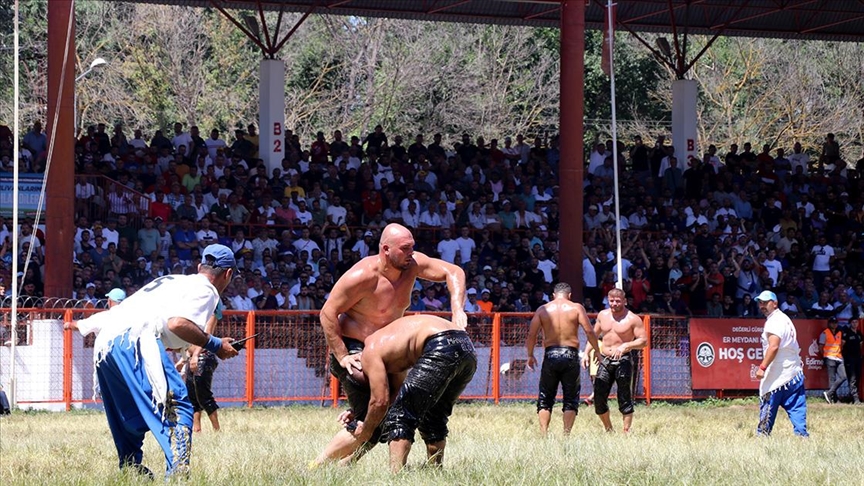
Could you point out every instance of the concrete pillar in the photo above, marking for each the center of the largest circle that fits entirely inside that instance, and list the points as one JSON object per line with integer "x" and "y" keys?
{"x": 60, "y": 227}
{"x": 272, "y": 113}
{"x": 684, "y": 120}
{"x": 572, "y": 164}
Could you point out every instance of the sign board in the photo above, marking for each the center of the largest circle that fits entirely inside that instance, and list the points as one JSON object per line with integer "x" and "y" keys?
{"x": 725, "y": 353}
{"x": 29, "y": 188}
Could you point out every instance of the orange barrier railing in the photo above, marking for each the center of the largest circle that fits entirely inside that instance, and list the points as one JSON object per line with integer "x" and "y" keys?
{"x": 288, "y": 361}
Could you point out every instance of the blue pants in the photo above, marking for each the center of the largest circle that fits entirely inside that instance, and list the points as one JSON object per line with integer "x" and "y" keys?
{"x": 792, "y": 398}
{"x": 128, "y": 399}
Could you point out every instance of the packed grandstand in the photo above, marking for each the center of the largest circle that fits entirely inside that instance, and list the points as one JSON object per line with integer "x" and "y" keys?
{"x": 699, "y": 236}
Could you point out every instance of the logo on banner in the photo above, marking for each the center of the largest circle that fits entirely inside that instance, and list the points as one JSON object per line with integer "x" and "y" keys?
{"x": 814, "y": 348}
{"x": 705, "y": 354}
{"x": 753, "y": 370}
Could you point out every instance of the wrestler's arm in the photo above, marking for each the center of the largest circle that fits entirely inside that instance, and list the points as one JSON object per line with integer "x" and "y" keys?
{"x": 345, "y": 294}
{"x": 590, "y": 333}
{"x": 379, "y": 392}
{"x": 437, "y": 270}
{"x": 598, "y": 331}
{"x": 533, "y": 330}
{"x": 191, "y": 333}
{"x": 770, "y": 354}
{"x": 195, "y": 351}
{"x": 639, "y": 338}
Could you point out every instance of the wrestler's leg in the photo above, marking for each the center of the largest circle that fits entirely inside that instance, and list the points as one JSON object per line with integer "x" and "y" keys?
{"x": 602, "y": 387}
{"x": 435, "y": 452}
{"x": 399, "y": 450}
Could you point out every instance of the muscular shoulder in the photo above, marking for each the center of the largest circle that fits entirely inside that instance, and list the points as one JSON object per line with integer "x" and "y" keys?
{"x": 362, "y": 275}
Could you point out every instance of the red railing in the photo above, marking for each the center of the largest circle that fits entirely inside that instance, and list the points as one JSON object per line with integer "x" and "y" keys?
{"x": 288, "y": 361}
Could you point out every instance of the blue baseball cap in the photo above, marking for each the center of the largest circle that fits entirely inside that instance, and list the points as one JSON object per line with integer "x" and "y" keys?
{"x": 117, "y": 295}
{"x": 218, "y": 256}
{"x": 767, "y": 295}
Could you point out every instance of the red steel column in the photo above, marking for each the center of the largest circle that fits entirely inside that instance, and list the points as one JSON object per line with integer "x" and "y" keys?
{"x": 59, "y": 215}
{"x": 572, "y": 164}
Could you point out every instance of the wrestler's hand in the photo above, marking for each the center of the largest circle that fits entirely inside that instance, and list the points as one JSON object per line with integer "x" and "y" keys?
{"x": 460, "y": 319}
{"x": 193, "y": 363}
{"x": 760, "y": 374}
{"x": 361, "y": 434}
{"x": 346, "y": 417}
{"x": 351, "y": 361}
{"x": 617, "y": 352}
{"x": 586, "y": 361}
{"x": 532, "y": 362}
{"x": 227, "y": 351}
{"x": 73, "y": 324}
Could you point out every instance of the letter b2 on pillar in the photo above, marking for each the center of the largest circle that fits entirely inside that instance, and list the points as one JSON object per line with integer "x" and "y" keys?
{"x": 684, "y": 121}
{"x": 271, "y": 94}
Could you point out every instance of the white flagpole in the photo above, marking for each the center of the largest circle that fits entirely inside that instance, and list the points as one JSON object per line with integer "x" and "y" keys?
{"x": 13, "y": 389}
{"x": 611, "y": 33}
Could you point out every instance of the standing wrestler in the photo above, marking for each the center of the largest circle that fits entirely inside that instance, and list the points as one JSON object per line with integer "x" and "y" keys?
{"x": 442, "y": 361}
{"x": 623, "y": 332}
{"x": 560, "y": 321}
{"x": 199, "y": 377}
{"x": 372, "y": 294}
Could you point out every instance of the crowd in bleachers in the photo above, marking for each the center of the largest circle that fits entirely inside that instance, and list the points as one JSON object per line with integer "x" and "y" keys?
{"x": 700, "y": 236}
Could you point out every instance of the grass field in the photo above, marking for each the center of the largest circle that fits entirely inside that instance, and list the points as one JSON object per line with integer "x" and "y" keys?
{"x": 706, "y": 443}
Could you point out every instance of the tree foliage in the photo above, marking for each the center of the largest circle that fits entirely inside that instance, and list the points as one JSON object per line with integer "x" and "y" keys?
{"x": 171, "y": 64}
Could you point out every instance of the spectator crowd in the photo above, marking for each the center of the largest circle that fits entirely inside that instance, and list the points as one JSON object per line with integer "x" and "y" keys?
{"x": 702, "y": 236}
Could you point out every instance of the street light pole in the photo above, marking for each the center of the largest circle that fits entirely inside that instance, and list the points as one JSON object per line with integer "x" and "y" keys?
{"x": 93, "y": 65}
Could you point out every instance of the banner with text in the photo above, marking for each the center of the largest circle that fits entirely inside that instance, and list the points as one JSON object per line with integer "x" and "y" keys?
{"x": 29, "y": 188}
{"x": 725, "y": 353}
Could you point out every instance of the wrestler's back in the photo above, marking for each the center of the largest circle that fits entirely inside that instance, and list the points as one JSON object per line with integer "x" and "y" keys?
{"x": 560, "y": 322}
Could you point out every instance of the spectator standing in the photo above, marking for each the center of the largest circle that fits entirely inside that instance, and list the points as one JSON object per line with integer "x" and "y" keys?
{"x": 852, "y": 342}
{"x": 448, "y": 248}
{"x": 831, "y": 341}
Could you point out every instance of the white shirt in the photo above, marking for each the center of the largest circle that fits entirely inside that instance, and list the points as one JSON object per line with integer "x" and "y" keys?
{"x": 213, "y": 146}
{"x": 430, "y": 219}
{"x": 597, "y": 160}
{"x": 787, "y": 363}
{"x": 822, "y": 258}
{"x": 242, "y": 302}
{"x": 144, "y": 316}
{"x": 589, "y": 274}
{"x": 411, "y": 220}
{"x": 280, "y": 300}
{"x": 182, "y": 139}
{"x": 775, "y": 268}
{"x": 337, "y": 214}
{"x": 546, "y": 266}
{"x": 801, "y": 159}
{"x": 466, "y": 247}
{"x": 305, "y": 217}
{"x": 361, "y": 247}
{"x": 447, "y": 249}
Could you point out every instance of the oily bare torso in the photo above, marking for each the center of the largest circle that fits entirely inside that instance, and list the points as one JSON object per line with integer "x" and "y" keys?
{"x": 560, "y": 321}
{"x": 616, "y": 330}
{"x": 401, "y": 343}
{"x": 383, "y": 302}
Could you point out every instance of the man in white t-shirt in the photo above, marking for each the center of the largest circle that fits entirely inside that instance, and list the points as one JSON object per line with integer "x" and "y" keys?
{"x": 466, "y": 244}
{"x": 781, "y": 371}
{"x": 214, "y": 144}
{"x": 774, "y": 267}
{"x": 140, "y": 387}
{"x": 181, "y": 138}
{"x": 336, "y": 213}
{"x": 823, "y": 256}
{"x": 447, "y": 247}
{"x": 799, "y": 159}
